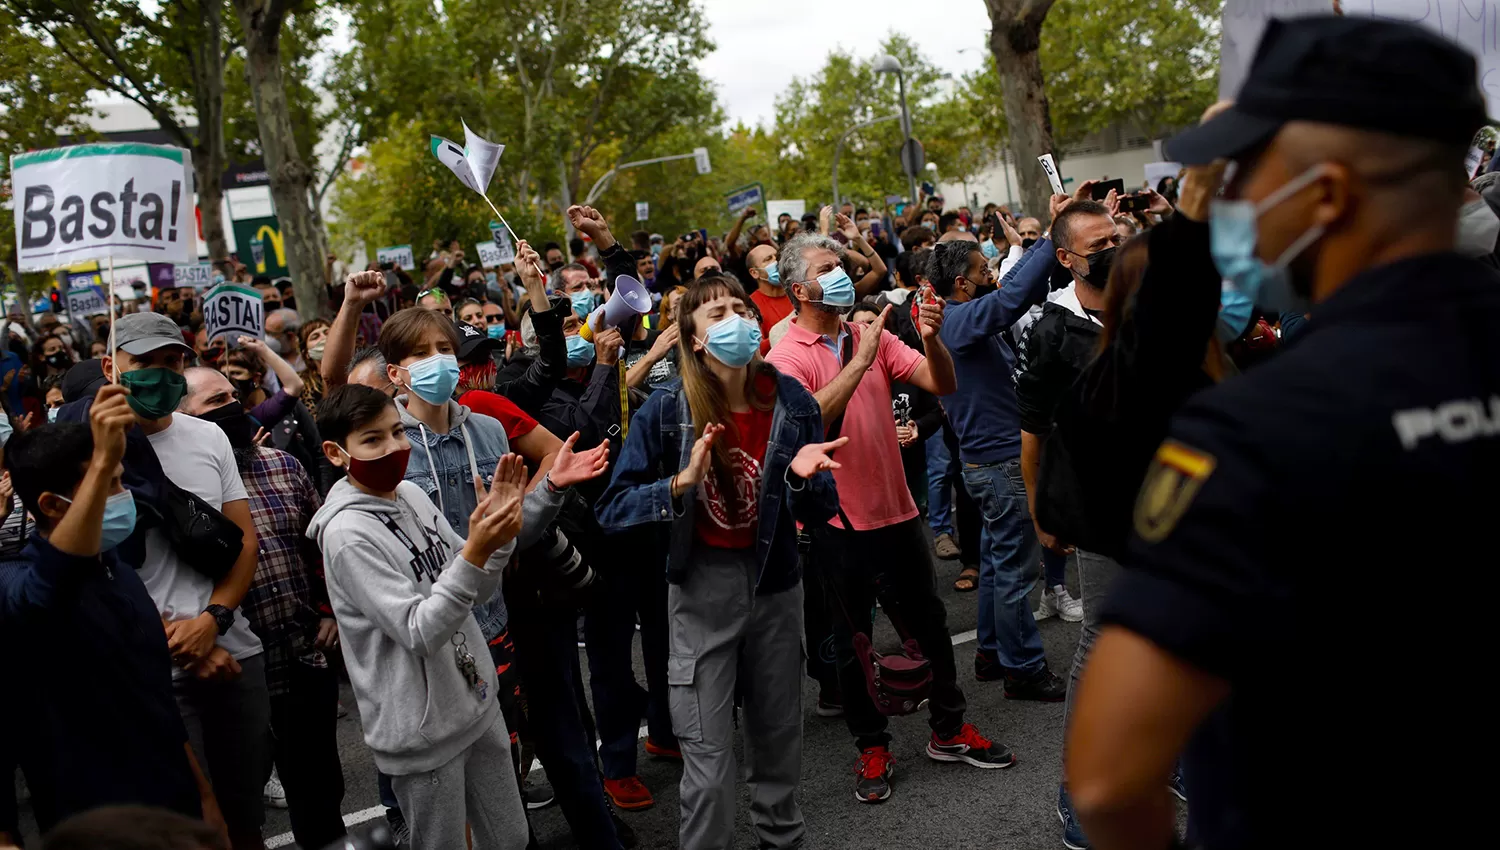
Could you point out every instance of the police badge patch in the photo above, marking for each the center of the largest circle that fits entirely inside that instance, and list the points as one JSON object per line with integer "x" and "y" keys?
{"x": 1176, "y": 474}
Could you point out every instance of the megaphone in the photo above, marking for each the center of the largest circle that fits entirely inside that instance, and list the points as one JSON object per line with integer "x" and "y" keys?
{"x": 631, "y": 298}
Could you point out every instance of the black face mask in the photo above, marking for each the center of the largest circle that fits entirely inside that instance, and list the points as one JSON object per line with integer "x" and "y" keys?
{"x": 60, "y": 360}
{"x": 237, "y": 425}
{"x": 245, "y": 387}
{"x": 1027, "y": 243}
{"x": 1100, "y": 263}
{"x": 983, "y": 289}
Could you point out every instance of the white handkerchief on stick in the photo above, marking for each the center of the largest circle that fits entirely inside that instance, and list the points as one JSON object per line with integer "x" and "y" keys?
{"x": 473, "y": 164}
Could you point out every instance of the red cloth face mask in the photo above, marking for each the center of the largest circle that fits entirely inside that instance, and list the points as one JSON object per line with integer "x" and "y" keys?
{"x": 381, "y": 474}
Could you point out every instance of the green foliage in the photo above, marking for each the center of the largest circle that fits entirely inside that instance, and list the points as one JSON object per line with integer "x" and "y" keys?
{"x": 1150, "y": 63}
{"x": 45, "y": 99}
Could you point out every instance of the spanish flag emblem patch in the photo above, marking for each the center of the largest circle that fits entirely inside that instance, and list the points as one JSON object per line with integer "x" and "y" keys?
{"x": 1176, "y": 474}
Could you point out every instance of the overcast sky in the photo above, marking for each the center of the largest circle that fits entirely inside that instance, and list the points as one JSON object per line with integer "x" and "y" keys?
{"x": 762, "y": 46}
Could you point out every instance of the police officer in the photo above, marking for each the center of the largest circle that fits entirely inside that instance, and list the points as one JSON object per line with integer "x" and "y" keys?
{"x": 1364, "y": 457}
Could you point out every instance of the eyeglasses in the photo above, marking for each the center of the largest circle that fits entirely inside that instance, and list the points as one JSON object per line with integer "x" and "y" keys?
{"x": 493, "y": 319}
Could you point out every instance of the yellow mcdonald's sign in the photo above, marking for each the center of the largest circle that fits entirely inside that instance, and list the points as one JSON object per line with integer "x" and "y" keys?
{"x": 276, "y": 244}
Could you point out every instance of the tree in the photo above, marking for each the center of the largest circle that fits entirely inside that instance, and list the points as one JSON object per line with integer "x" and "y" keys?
{"x": 46, "y": 99}
{"x": 1015, "y": 38}
{"x": 261, "y": 22}
{"x": 164, "y": 64}
{"x": 1152, "y": 64}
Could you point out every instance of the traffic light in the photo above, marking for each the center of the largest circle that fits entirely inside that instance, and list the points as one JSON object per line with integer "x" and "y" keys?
{"x": 57, "y": 305}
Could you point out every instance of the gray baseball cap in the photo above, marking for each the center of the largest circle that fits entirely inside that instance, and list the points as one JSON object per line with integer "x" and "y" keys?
{"x": 142, "y": 333}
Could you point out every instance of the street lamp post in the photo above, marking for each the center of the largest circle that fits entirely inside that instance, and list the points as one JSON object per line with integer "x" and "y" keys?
{"x": 839, "y": 148}
{"x": 888, "y": 64}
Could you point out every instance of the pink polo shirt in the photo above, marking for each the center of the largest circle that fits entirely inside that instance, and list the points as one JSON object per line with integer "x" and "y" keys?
{"x": 872, "y": 485}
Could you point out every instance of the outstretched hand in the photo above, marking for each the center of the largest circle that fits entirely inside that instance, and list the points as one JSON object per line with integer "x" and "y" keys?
{"x": 813, "y": 458}
{"x": 577, "y": 467}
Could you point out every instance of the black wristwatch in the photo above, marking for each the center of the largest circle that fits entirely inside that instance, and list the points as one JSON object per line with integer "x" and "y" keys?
{"x": 223, "y": 616}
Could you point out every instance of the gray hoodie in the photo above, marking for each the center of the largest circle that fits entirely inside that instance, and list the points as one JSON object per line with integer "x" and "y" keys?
{"x": 402, "y": 594}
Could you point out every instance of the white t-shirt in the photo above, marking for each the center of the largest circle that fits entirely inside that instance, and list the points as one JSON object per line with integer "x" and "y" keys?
{"x": 198, "y": 458}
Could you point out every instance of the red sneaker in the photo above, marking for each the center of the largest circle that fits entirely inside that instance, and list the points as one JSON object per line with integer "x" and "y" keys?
{"x": 630, "y": 793}
{"x": 970, "y": 747}
{"x": 657, "y": 750}
{"x": 872, "y": 775}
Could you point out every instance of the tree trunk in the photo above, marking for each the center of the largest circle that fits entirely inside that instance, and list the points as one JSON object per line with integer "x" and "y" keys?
{"x": 208, "y": 100}
{"x": 291, "y": 179}
{"x": 1015, "y": 36}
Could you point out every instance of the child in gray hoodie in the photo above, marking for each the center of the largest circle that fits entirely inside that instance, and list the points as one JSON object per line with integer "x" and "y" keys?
{"x": 403, "y": 587}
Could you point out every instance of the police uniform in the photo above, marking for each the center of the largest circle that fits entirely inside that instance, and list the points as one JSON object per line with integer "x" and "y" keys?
{"x": 1290, "y": 538}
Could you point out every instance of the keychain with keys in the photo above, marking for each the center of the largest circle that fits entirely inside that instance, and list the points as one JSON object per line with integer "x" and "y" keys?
{"x": 466, "y": 666}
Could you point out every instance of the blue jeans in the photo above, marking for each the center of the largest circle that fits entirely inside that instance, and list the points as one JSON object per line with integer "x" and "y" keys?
{"x": 609, "y": 626}
{"x": 546, "y": 640}
{"x": 1054, "y": 568}
{"x": 942, "y": 469}
{"x": 1008, "y": 556}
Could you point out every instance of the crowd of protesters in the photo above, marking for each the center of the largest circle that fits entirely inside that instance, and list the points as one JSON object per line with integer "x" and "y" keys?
{"x": 445, "y": 491}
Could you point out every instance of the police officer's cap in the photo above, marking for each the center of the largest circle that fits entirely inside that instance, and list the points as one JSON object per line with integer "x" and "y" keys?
{"x": 1365, "y": 73}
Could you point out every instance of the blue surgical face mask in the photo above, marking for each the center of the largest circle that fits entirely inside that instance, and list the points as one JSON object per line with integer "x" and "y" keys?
{"x": 434, "y": 378}
{"x": 218, "y": 278}
{"x": 989, "y": 250}
{"x": 583, "y": 303}
{"x": 119, "y": 519}
{"x": 838, "y": 289}
{"x": 491, "y": 277}
{"x": 655, "y": 249}
{"x": 733, "y": 340}
{"x": 495, "y": 331}
{"x": 1234, "y": 313}
{"x": 580, "y": 351}
{"x": 52, "y": 414}
{"x": 773, "y": 274}
{"x": 1233, "y": 234}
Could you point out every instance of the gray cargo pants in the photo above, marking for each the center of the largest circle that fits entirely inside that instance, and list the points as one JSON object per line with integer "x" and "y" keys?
{"x": 721, "y": 633}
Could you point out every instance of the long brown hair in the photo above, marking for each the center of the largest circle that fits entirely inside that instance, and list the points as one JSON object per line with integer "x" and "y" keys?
{"x": 707, "y": 401}
{"x": 1125, "y": 278}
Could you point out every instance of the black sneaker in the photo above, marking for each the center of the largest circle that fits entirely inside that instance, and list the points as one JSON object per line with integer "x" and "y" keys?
{"x": 537, "y": 794}
{"x": 399, "y": 830}
{"x": 987, "y": 666}
{"x": 872, "y": 775}
{"x": 1041, "y": 686}
{"x": 970, "y": 747}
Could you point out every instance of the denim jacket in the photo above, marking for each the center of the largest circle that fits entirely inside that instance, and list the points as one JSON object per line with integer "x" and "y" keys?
{"x": 660, "y": 445}
{"x": 444, "y": 465}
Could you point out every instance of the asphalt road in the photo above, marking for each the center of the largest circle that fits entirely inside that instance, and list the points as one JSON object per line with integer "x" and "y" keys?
{"x": 934, "y": 805}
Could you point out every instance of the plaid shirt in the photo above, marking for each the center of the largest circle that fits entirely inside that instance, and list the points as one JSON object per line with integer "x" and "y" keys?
{"x": 287, "y": 597}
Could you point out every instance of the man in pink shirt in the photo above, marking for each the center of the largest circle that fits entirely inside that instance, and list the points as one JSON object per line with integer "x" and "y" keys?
{"x": 876, "y": 546}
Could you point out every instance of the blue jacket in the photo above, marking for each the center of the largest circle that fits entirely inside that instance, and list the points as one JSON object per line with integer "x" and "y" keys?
{"x": 444, "y": 466}
{"x": 75, "y": 625}
{"x": 659, "y": 446}
{"x": 983, "y": 410}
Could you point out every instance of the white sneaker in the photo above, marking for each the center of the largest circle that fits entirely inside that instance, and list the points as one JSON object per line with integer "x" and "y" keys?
{"x": 1047, "y": 608}
{"x": 274, "y": 795}
{"x": 1068, "y": 608}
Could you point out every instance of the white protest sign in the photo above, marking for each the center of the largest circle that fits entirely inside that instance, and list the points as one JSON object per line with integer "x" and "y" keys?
{"x": 1049, "y": 165}
{"x": 197, "y": 275}
{"x": 795, "y": 209}
{"x": 234, "y": 309}
{"x": 642, "y": 210}
{"x": 489, "y": 254}
{"x": 1471, "y": 24}
{"x": 1243, "y": 23}
{"x": 1472, "y": 160}
{"x": 400, "y": 255}
{"x": 1156, "y": 171}
{"x": 92, "y": 202}
{"x": 87, "y": 301}
{"x": 502, "y": 242}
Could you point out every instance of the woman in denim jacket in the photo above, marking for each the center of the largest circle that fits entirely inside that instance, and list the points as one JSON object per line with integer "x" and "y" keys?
{"x": 732, "y": 456}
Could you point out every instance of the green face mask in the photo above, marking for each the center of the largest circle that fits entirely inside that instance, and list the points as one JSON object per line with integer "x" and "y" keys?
{"x": 154, "y": 393}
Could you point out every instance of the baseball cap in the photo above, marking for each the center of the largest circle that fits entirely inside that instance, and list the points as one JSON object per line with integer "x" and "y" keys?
{"x": 473, "y": 342}
{"x": 142, "y": 333}
{"x": 1364, "y": 73}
